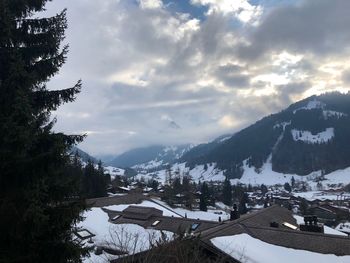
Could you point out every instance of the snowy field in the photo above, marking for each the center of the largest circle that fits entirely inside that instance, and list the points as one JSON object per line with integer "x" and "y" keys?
{"x": 312, "y": 104}
{"x": 113, "y": 171}
{"x": 251, "y": 175}
{"x": 251, "y": 250}
{"x": 268, "y": 177}
{"x": 198, "y": 173}
{"x": 308, "y": 137}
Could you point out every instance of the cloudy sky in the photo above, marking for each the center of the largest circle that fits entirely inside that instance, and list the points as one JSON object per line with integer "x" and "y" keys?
{"x": 179, "y": 71}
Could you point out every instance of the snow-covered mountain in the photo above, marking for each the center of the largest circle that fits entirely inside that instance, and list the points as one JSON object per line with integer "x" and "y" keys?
{"x": 309, "y": 141}
{"x": 150, "y": 158}
{"x": 310, "y": 135}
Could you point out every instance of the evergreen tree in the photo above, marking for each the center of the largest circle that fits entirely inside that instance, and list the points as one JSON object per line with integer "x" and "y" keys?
{"x": 205, "y": 167}
{"x": 94, "y": 181}
{"x": 227, "y": 192}
{"x": 203, "y": 201}
{"x": 188, "y": 190}
{"x": 38, "y": 199}
{"x": 176, "y": 184}
{"x": 264, "y": 189}
{"x": 292, "y": 181}
{"x": 250, "y": 188}
{"x": 243, "y": 204}
{"x": 154, "y": 184}
{"x": 287, "y": 187}
{"x": 303, "y": 207}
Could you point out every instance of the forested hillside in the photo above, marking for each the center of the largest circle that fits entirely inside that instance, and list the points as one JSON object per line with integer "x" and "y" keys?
{"x": 310, "y": 135}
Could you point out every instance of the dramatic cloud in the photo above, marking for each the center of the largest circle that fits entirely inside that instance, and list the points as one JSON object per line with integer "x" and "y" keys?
{"x": 315, "y": 26}
{"x": 163, "y": 72}
{"x": 241, "y": 9}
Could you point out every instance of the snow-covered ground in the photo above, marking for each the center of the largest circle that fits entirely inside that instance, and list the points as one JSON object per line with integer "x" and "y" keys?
{"x": 225, "y": 138}
{"x": 327, "y": 229}
{"x": 149, "y": 165}
{"x": 251, "y": 250}
{"x": 282, "y": 124}
{"x": 125, "y": 237}
{"x": 312, "y": 104}
{"x": 251, "y": 175}
{"x": 267, "y": 176}
{"x": 198, "y": 173}
{"x": 113, "y": 171}
{"x": 330, "y": 113}
{"x": 308, "y": 137}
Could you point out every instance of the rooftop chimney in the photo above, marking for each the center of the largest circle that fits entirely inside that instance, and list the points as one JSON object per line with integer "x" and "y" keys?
{"x": 311, "y": 225}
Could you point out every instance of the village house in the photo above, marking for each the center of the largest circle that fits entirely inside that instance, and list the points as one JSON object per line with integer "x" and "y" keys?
{"x": 273, "y": 225}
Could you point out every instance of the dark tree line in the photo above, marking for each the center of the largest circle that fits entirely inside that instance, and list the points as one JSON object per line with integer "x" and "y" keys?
{"x": 92, "y": 180}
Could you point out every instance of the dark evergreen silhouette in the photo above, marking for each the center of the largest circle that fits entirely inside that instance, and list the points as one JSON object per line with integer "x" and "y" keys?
{"x": 227, "y": 192}
{"x": 94, "y": 182}
{"x": 287, "y": 187}
{"x": 203, "y": 201}
{"x": 263, "y": 189}
{"x": 292, "y": 182}
{"x": 243, "y": 204}
{"x": 39, "y": 200}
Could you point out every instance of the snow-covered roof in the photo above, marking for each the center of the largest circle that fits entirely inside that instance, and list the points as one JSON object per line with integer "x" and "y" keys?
{"x": 250, "y": 250}
{"x": 258, "y": 226}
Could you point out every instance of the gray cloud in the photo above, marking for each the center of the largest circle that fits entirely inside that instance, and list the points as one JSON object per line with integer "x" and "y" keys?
{"x": 346, "y": 77}
{"x": 316, "y": 26}
{"x": 143, "y": 68}
{"x": 232, "y": 76}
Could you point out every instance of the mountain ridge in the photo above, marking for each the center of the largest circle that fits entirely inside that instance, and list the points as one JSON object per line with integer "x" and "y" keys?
{"x": 272, "y": 136}
{"x": 150, "y": 157}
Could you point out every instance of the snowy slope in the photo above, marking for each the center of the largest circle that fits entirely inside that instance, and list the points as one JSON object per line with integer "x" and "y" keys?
{"x": 253, "y": 176}
{"x": 113, "y": 171}
{"x": 311, "y": 105}
{"x": 327, "y": 114}
{"x": 198, "y": 173}
{"x": 151, "y": 157}
{"x": 167, "y": 155}
{"x": 308, "y": 137}
{"x": 267, "y": 176}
